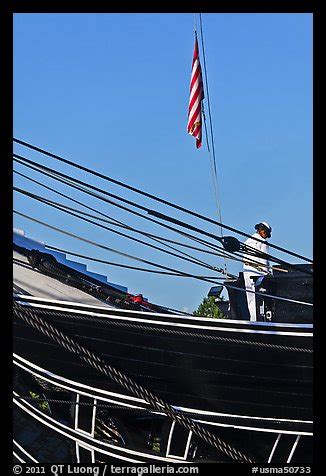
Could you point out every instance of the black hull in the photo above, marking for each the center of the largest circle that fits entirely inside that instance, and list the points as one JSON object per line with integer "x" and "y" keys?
{"x": 248, "y": 383}
{"x": 191, "y": 363}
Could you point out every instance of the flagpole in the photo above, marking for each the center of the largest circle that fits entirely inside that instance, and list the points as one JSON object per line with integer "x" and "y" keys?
{"x": 196, "y": 114}
{"x": 211, "y": 151}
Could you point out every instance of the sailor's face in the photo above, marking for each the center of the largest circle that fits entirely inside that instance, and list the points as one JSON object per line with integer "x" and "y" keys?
{"x": 263, "y": 233}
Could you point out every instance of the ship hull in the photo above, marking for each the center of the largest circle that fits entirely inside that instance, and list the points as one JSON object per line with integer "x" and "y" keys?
{"x": 229, "y": 375}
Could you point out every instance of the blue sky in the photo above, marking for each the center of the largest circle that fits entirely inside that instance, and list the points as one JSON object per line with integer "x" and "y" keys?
{"x": 110, "y": 91}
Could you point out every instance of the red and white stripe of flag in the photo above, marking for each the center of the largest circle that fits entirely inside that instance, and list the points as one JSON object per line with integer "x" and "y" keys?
{"x": 194, "y": 126}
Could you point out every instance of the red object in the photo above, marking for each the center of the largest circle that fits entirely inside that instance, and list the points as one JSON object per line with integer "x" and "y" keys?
{"x": 194, "y": 126}
{"x": 138, "y": 299}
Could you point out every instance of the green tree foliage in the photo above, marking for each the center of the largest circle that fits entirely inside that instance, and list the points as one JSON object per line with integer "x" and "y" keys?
{"x": 209, "y": 308}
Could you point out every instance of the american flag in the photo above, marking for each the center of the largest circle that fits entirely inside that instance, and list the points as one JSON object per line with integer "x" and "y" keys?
{"x": 194, "y": 126}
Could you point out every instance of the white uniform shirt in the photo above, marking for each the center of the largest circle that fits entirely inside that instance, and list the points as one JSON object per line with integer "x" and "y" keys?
{"x": 263, "y": 266}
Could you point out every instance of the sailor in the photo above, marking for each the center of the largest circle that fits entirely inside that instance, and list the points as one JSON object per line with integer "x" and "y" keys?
{"x": 257, "y": 266}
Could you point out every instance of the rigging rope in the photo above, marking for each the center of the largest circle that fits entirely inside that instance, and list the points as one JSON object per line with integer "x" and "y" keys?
{"x": 44, "y": 263}
{"x": 117, "y": 376}
{"x": 68, "y": 210}
{"x": 72, "y": 253}
{"x": 115, "y": 222}
{"x": 107, "y": 248}
{"x": 155, "y": 264}
{"x": 67, "y": 180}
{"x": 225, "y": 241}
{"x": 219, "y": 251}
{"x": 117, "y": 182}
{"x": 242, "y": 247}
